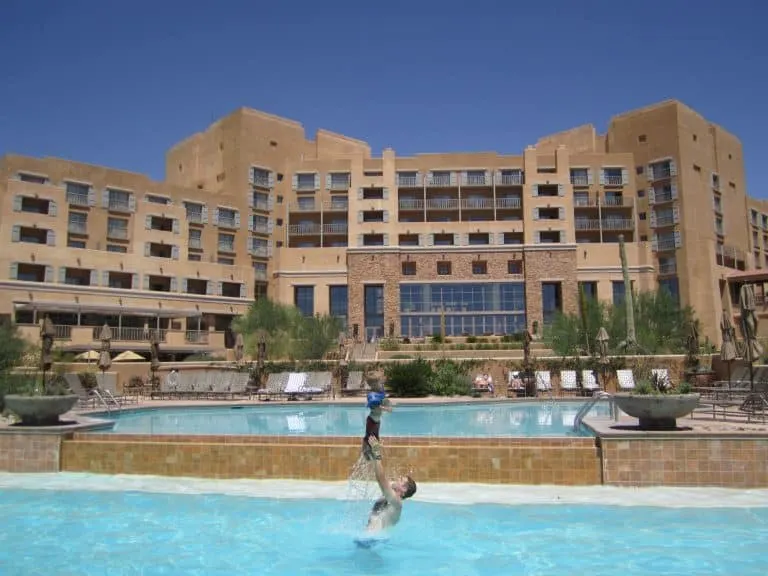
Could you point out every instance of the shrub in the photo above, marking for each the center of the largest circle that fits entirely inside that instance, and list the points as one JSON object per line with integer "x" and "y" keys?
{"x": 471, "y": 339}
{"x": 409, "y": 380}
{"x": 448, "y": 380}
{"x": 88, "y": 381}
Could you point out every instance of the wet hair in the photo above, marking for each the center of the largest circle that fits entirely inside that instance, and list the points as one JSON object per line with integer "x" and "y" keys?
{"x": 410, "y": 487}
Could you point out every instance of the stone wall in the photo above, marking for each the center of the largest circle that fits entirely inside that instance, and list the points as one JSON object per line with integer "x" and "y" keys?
{"x": 550, "y": 266}
{"x": 724, "y": 462}
{"x": 29, "y": 452}
{"x": 564, "y": 461}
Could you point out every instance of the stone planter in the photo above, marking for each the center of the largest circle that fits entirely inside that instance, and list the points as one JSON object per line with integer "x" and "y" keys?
{"x": 658, "y": 411}
{"x": 40, "y": 410}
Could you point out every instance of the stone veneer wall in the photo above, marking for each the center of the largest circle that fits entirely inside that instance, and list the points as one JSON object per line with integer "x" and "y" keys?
{"x": 29, "y": 452}
{"x": 573, "y": 461}
{"x": 385, "y": 267}
{"x": 724, "y": 462}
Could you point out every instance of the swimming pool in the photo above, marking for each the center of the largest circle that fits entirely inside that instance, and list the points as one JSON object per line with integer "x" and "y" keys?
{"x": 530, "y": 419}
{"x": 90, "y": 525}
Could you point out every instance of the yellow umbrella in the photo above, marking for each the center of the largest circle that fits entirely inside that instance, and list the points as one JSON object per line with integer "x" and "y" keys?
{"x": 128, "y": 356}
{"x": 88, "y": 356}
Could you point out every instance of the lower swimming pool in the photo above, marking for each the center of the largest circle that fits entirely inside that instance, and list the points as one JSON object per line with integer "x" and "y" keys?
{"x": 446, "y": 420}
{"x": 90, "y": 525}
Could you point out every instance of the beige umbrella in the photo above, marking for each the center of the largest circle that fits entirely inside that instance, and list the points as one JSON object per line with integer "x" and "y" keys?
{"x": 128, "y": 356}
{"x": 105, "y": 358}
{"x": 90, "y": 356}
{"x": 752, "y": 348}
{"x": 239, "y": 348}
{"x": 602, "y": 349}
{"x": 728, "y": 348}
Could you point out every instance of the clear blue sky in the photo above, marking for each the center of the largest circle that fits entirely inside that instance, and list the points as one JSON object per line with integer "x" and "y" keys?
{"x": 117, "y": 83}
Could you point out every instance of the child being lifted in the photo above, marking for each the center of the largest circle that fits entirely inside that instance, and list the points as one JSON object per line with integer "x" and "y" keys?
{"x": 378, "y": 403}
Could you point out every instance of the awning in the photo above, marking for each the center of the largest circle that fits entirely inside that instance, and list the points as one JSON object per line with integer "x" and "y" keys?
{"x": 51, "y": 306}
{"x": 748, "y": 276}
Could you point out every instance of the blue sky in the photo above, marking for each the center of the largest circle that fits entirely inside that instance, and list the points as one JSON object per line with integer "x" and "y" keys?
{"x": 117, "y": 83}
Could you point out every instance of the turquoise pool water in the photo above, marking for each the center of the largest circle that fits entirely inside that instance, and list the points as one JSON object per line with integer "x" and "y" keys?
{"x": 138, "y": 533}
{"x": 452, "y": 420}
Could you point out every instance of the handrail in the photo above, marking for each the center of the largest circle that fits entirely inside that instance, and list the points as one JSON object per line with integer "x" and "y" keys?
{"x": 596, "y": 397}
{"x": 105, "y": 397}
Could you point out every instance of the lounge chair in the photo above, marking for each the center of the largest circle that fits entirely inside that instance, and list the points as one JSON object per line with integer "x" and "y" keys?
{"x": 625, "y": 379}
{"x": 543, "y": 381}
{"x": 355, "y": 384}
{"x": 297, "y": 386}
{"x": 568, "y": 381}
{"x": 275, "y": 386}
{"x": 589, "y": 381}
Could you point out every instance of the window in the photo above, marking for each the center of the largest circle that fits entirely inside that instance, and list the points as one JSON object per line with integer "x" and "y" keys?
{"x": 515, "y": 267}
{"x": 443, "y": 268}
{"x": 339, "y": 181}
{"x": 479, "y": 267}
{"x": 305, "y": 182}
{"x": 261, "y": 177}
{"x": 194, "y": 257}
{"x": 119, "y": 200}
{"x": 117, "y": 228}
{"x": 580, "y": 176}
{"x": 304, "y": 299}
{"x": 642, "y": 138}
{"x": 373, "y": 193}
{"x": 75, "y": 243}
{"x": 231, "y": 289}
{"x": 77, "y": 194}
{"x": 408, "y": 239}
{"x": 619, "y": 294}
{"x": 443, "y": 240}
{"x": 551, "y": 300}
{"x": 338, "y": 297}
{"x": 548, "y": 190}
{"x": 373, "y": 216}
{"x": 373, "y": 240}
{"x": 641, "y": 193}
{"x": 33, "y": 178}
{"x": 228, "y": 218}
{"x": 478, "y": 239}
{"x": 642, "y": 215}
{"x": 195, "y": 239}
{"x": 408, "y": 268}
{"x": 548, "y": 213}
{"x": 672, "y": 286}
{"x": 225, "y": 261}
{"x": 155, "y": 199}
{"x": 475, "y": 308}
{"x": 116, "y": 248}
{"x": 589, "y": 289}
{"x": 226, "y": 242}
{"x": 550, "y": 237}
{"x": 160, "y": 223}
{"x": 408, "y": 179}
{"x": 195, "y": 212}
{"x": 373, "y": 308}
{"x": 78, "y": 223}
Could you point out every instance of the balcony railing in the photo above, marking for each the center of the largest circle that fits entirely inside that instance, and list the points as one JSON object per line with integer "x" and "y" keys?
{"x": 261, "y": 228}
{"x": 130, "y": 334}
{"x": 196, "y": 336}
{"x": 226, "y": 247}
{"x": 580, "y": 224}
{"x": 408, "y": 181}
{"x": 260, "y": 275}
{"x": 665, "y": 244}
{"x": 77, "y": 228}
{"x": 195, "y": 243}
{"x": 226, "y": 221}
{"x": 443, "y": 204}
{"x": 511, "y": 179}
{"x": 439, "y": 181}
{"x": 306, "y": 184}
{"x": 260, "y": 250}
{"x": 584, "y": 202}
{"x": 304, "y": 207}
{"x": 118, "y": 233}
{"x": 195, "y": 216}
{"x": 77, "y": 198}
{"x": 62, "y": 332}
{"x": 612, "y": 180}
{"x": 261, "y": 205}
{"x": 580, "y": 180}
{"x": 303, "y": 229}
{"x": 615, "y": 201}
{"x": 508, "y": 203}
{"x": 665, "y": 219}
{"x": 661, "y": 197}
{"x": 668, "y": 268}
{"x": 339, "y": 182}
{"x": 618, "y": 224}
{"x": 475, "y": 180}
{"x": 659, "y": 172}
{"x": 411, "y": 204}
{"x": 477, "y": 203}
{"x": 336, "y": 205}
{"x": 119, "y": 205}
{"x": 335, "y": 228}
{"x": 261, "y": 180}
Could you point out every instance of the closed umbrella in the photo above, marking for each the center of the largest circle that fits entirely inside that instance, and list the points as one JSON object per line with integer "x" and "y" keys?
{"x": 154, "y": 355}
{"x": 602, "y": 349}
{"x": 47, "y": 336}
{"x": 239, "y": 348}
{"x": 105, "y": 359}
{"x": 752, "y": 348}
{"x": 728, "y": 347}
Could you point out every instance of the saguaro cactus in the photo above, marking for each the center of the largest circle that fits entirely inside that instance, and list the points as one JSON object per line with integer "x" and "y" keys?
{"x": 630, "y": 343}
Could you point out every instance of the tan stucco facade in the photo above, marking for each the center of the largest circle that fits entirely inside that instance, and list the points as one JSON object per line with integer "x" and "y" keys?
{"x": 254, "y": 203}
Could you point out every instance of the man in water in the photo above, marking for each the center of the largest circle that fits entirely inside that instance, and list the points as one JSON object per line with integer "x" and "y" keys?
{"x": 386, "y": 510}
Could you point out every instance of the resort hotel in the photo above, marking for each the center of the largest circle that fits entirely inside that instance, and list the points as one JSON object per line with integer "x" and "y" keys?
{"x": 438, "y": 430}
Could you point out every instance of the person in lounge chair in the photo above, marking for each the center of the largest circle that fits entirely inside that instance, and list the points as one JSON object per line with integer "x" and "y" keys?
{"x": 386, "y": 510}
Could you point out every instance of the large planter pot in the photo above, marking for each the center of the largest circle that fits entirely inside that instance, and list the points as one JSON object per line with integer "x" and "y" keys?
{"x": 40, "y": 410}
{"x": 657, "y": 412}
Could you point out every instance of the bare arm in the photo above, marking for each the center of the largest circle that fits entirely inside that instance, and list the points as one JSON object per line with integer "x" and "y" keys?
{"x": 381, "y": 477}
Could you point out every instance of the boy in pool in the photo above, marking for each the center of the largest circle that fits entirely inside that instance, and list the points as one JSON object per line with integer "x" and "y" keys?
{"x": 377, "y": 403}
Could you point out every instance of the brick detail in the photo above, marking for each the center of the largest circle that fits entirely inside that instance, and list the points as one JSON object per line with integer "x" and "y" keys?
{"x": 549, "y": 265}
{"x": 29, "y": 452}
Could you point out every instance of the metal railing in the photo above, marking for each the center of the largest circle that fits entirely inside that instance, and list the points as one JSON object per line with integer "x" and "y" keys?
{"x": 443, "y": 204}
{"x": 335, "y": 228}
{"x": 613, "y": 180}
{"x": 508, "y": 203}
{"x": 336, "y": 205}
{"x": 580, "y": 180}
{"x": 511, "y": 179}
{"x": 618, "y": 224}
{"x": 196, "y": 243}
{"x": 584, "y": 410}
{"x": 119, "y": 205}
{"x": 126, "y": 334}
{"x": 339, "y": 182}
{"x": 665, "y": 219}
{"x": 659, "y": 171}
{"x": 77, "y": 198}
{"x": 616, "y": 201}
{"x": 439, "y": 181}
{"x": 661, "y": 197}
{"x": 226, "y": 221}
{"x": 306, "y": 184}
{"x": 580, "y": 224}
{"x": 665, "y": 244}
{"x": 411, "y": 204}
{"x": 304, "y": 207}
{"x": 303, "y": 229}
{"x": 584, "y": 202}
{"x": 226, "y": 246}
{"x": 117, "y": 232}
{"x": 196, "y": 336}
{"x": 408, "y": 181}
{"x": 475, "y": 180}
{"x": 261, "y": 180}
{"x": 477, "y": 203}
{"x": 195, "y": 216}
{"x": 668, "y": 267}
{"x": 77, "y": 228}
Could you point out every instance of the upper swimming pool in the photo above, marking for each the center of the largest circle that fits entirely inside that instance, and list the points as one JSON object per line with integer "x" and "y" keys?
{"x": 529, "y": 419}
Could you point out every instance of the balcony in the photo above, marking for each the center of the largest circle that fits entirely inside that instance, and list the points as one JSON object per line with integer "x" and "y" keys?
{"x": 618, "y": 224}
{"x": 586, "y": 225}
{"x": 196, "y": 336}
{"x": 226, "y": 246}
{"x": 665, "y": 244}
{"x": 616, "y": 202}
{"x": 228, "y": 221}
{"x": 261, "y": 178}
{"x": 118, "y": 204}
{"x": 441, "y": 180}
{"x": 33, "y": 205}
{"x": 129, "y": 334}
{"x": 665, "y": 219}
{"x": 260, "y": 250}
{"x": 613, "y": 180}
{"x": 477, "y": 203}
{"x": 80, "y": 228}
{"x": 195, "y": 214}
{"x": 338, "y": 181}
{"x": 580, "y": 178}
{"x": 475, "y": 178}
{"x": 117, "y": 232}
{"x": 443, "y": 204}
{"x": 509, "y": 178}
{"x": 411, "y": 204}
{"x": 305, "y": 182}
{"x": 335, "y": 228}
{"x": 661, "y": 170}
{"x": 508, "y": 203}
{"x": 584, "y": 201}
{"x": 78, "y": 195}
{"x": 305, "y": 206}
{"x": 161, "y": 224}
{"x": 195, "y": 243}
{"x": 667, "y": 267}
{"x": 77, "y": 277}
{"x": 408, "y": 180}
{"x": 30, "y": 235}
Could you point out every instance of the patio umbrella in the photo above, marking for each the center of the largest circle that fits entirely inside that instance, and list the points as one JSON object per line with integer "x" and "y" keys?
{"x": 239, "y": 348}
{"x": 527, "y": 347}
{"x": 752, "y": 348}
{"x": 128, "y": 356}
{"x": 47, "y": 335}
{"x": 89, "y": 356}
{"x": 602, "y": 349}
{"x": 728, "y": 348}
{"x": 105, "y": 360}
{"x": 261, "y": 354}
{"x": 154, "y": 354}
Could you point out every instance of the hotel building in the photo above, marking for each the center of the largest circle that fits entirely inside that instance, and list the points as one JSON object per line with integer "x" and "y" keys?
{"x": 490, "y": 242}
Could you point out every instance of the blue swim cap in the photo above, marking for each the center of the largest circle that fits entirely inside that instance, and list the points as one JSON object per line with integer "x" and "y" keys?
{"x": 375, "y": 399}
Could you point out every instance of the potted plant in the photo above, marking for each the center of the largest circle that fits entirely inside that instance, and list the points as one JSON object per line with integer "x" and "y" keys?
{"x": 41, "y": 401}
{"x": 656, "y": 403}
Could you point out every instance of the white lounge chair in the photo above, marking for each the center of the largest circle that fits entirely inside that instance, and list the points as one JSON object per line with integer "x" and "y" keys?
{"x": 589, "y": 381}
{"x": 297, "y": 386}
{"x": 568, "y": 381}
{"x": 625, "y": 379}
{"x": 543, "y": 381}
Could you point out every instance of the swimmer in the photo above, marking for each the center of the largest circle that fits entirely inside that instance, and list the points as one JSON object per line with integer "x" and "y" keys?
{"x": 386, "y": 510}
{"x": 378, "y": 404}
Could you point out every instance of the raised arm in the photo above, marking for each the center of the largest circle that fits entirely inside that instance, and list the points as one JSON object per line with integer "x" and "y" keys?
{"x": 381, "y": 477}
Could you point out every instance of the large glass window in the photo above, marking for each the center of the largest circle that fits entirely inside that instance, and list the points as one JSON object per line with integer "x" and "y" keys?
{"x": 374, "y": 311}
{"x": 551, "y": 300}
{"x": 304, "y": 299}
{"x": 469, "y": 308}
{"x": 671, "y": 285}
{"x": 338, "y": 297}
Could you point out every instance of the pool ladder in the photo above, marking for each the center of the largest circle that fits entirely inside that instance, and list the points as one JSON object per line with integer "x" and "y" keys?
{"x": 106, "y": 398}
{"x": 584, "y": 410}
